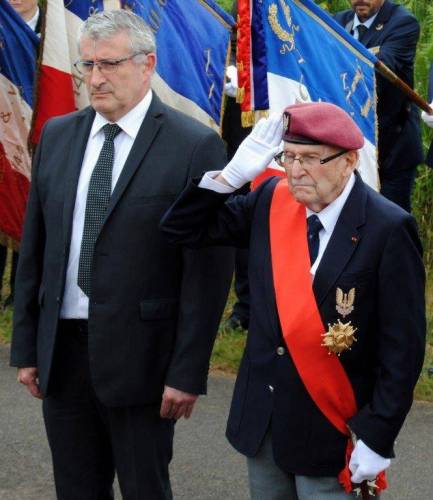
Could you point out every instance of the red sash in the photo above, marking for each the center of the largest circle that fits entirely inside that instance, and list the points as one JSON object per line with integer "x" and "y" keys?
{"x": 322, "y": 374}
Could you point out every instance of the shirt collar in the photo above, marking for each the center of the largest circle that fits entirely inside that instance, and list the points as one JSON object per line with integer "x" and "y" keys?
{"x": 129, "y": 123}
{"x": 367, "y": 24}
{"x": 330, "y": 214}
{"x": 31, "y": 23}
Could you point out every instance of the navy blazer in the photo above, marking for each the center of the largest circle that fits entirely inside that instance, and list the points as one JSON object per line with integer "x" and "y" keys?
{"x": 150, "y": 323}
{"x": 385, "y": 267}
{"x": 394, "y": 33}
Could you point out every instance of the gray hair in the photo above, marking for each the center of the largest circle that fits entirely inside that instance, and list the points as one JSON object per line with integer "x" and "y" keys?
{"x": 108, "y": 23}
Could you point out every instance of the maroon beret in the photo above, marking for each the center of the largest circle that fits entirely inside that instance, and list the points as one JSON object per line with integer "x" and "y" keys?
{"x": 321, "y": 123}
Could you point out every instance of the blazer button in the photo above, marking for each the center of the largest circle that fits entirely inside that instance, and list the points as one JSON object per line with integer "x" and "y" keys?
{"x": 280, "y": 351}
{"x": 271, "y": 388}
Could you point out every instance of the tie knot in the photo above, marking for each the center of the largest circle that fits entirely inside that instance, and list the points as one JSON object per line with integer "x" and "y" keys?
{"x": 314, "y": 225}
{"x": 110, "y": 131}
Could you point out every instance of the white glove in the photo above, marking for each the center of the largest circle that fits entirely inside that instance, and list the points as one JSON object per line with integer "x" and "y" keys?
{"x": 365, "y": 464}
{"x": 255, "y": 152}
{"x": 231, "y": 86}
{"x": 428, "y": 119}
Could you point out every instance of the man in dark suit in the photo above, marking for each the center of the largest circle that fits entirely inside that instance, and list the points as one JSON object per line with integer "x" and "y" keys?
{"x": 392, "y": 33}
{"x": 428, "y": 119}
{"x": 337, "y": 328}
{"x": 113, "y": 327}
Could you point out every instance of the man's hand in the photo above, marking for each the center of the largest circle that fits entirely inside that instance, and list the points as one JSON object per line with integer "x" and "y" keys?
{"x": 29, "y": 377}
{"x": 428, "y": 119}
{"x": 176, "y": 404}
{"x": 255, "y": 152}
{"x": 231, "y": 86}
{"x": 365, "y": 464}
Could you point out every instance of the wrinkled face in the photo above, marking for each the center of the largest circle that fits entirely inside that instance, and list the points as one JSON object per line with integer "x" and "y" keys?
{"x": 366, "y": 8}
{"x": 115, "y": 94}
{"x": 319, "y": 185}
{"x": 25, "y": 8}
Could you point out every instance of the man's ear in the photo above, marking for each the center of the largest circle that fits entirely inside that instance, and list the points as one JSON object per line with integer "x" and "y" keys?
{"x": 352, "y": 159}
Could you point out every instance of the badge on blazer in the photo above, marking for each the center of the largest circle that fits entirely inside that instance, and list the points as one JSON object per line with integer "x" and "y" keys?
{"x": 379, "y": 27}
{"x": 339, "y": 337}
{"x": 345, "y": 301}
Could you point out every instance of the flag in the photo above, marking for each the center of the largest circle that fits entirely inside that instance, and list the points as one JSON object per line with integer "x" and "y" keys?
{"x": 18, "y": 47}
{"x": 298, "y": 53}
{"x": 60, "y": 88}
{"x": 193, "y": 46}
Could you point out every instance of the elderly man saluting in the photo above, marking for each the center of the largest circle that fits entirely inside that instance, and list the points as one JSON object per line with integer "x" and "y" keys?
{"x": 337, "y": 329}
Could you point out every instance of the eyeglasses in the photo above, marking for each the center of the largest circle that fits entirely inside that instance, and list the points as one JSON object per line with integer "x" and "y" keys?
{"x": 105, "y": 66}
{"x": 287, "y": 160}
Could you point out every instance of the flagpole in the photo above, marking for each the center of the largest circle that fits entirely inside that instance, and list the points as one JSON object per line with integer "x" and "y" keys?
{"x": 404, "y": 87}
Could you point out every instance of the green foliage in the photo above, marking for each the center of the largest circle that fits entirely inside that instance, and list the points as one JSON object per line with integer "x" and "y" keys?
{"x": 225, "y": 4}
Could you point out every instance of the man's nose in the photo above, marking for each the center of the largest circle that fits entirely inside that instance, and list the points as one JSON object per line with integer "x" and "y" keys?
{"x": 96, "y": 76}
{"x": 297, "y": 168}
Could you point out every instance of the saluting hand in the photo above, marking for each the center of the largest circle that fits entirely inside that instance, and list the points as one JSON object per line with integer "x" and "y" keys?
{"x": 255, "y": 152}
{"x": 176, "y": 404}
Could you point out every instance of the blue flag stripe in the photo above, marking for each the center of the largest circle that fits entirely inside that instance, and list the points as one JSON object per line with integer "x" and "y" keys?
{"x": 18, "y": 48}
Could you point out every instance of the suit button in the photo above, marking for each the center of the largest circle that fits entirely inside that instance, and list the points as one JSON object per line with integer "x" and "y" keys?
{"x": 280, "y": 351}
{"x": 271, "y": 388}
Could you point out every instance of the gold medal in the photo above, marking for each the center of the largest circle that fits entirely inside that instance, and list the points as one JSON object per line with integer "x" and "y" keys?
{"x": 339, "y": 337}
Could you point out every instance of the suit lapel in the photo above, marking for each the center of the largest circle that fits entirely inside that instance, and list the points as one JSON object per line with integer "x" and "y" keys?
{"x": 147, "y": 133}
{"x": 343, "y": 242}
{"x": 73, "y": 164}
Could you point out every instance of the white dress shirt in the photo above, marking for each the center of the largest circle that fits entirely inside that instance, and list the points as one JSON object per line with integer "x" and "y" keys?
{"x": 75, "y": 303}
{"x": 31, "y": 23}
{"x": 357, "y": 22}
{"x": 328, "y": 216}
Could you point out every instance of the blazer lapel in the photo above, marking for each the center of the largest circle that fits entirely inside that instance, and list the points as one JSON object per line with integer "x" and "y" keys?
{"x": 343, "y": 242}
{"x": 147, "y": 133}
{"x": 73, "y": 164}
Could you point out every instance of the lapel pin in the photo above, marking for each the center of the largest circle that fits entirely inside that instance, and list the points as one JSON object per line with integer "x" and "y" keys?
{"x": 354, "y": 239}
{"x": 379, "y": 27}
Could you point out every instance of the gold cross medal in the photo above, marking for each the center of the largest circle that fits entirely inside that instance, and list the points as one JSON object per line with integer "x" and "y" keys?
{"x": 339, "y": 337}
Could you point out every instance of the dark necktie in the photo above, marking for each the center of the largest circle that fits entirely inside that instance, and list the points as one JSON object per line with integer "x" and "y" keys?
{"x": 98, "y": 198}
{"x": 361, "y": 31}
{"x": 314, "y": 226}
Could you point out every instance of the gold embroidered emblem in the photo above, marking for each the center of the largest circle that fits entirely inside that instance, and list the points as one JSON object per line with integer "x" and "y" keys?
{"x": 339, "y": 337}
{"x": 286, "y": 36}
{"x": 345, "y": 302}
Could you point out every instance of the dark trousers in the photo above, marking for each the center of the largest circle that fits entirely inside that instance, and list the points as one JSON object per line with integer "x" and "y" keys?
{"x": 234, "y": 134}
{"x": 397, "y": 186}
{"x": 241, "y": 310}
{"x": 3, "y": 258}
{"x": 90, "y": 441}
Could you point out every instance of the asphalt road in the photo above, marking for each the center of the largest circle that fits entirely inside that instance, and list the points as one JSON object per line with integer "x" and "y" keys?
{"x": 205, "y": 467}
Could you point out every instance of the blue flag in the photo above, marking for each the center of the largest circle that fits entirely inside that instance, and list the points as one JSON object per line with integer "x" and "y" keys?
{"x": 18, "y": 48}
{"x": 193, "y": 40}
{"x": 309, "y": 57}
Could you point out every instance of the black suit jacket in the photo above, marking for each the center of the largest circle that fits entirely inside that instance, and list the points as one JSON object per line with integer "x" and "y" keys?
{"x": 395, "y": 34}
{"x": 154, "y": 309}
{"x": 385, "y": 267}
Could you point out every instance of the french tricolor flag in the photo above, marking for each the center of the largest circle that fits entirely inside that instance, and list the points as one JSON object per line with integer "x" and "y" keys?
{"x": 18, "y": 49}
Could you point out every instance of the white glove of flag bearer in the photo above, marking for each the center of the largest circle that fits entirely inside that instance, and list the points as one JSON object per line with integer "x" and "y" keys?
{"x": 255, "y": 152}
{"x": 365, "y": 464}
{"x": 428, "y": 119}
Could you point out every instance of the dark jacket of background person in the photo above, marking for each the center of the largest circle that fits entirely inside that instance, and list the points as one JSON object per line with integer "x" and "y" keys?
{"x": 395, "y": 33}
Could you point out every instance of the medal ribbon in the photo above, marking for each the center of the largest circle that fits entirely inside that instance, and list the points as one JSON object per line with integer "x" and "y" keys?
{"x": 322, "y": 373}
